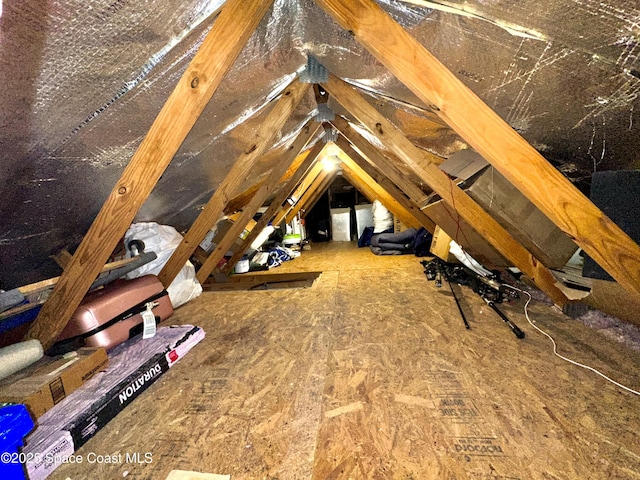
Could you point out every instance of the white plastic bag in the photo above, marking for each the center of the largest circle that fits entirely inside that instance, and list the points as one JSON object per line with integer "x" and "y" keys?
{"x": 163, "y": 240}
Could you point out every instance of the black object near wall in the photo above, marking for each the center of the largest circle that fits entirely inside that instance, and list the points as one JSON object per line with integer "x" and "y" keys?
{"x": 617, "y": 194}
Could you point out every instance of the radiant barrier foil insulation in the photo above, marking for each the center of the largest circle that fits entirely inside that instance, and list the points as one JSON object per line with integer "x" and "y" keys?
{"x": 84, "y": 81}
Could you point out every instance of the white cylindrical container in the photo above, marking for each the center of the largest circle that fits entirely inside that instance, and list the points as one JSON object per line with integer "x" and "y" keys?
{"x": 18, "y": 356}
{"x": 262, "y": 237}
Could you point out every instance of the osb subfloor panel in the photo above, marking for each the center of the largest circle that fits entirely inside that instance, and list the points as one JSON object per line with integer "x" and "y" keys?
{"x": 370, "y": 374}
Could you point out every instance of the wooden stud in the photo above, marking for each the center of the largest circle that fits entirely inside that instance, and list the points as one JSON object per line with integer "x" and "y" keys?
{"x": 440, "y": 182}
{"x": 257, "y": 144}
{"x": 308, "y": 158}
{"x": 231, "y": 30}
{"x": 256, "y": 202}
{"x": 492, "y": 137}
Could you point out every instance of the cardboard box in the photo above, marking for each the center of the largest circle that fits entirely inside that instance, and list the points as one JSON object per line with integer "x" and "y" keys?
{"x": 458, "y": 229}
{"x": 133, "y": 366}
{"x": 440, "y": 245}
{"x": 49, "y": 380}
{"x": 223, "y": 226}
{"x": 398, "y": 226}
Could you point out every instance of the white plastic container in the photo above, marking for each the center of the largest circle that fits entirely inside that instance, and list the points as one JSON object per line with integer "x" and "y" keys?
{"x": 262, "y": 237}
{"x": 242, "y": 266}
{"x": 341, "y": 224}
{"x": 364, "y": 217}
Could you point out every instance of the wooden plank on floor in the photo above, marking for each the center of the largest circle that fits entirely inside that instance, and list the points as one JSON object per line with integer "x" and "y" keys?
{"x": 262, "y": 281}
{"x": 188, "y": 475}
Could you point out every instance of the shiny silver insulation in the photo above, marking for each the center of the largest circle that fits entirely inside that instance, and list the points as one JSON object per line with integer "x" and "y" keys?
{"x": 83, "y": 81}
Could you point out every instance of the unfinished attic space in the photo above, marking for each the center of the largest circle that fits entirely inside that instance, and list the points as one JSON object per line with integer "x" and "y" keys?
{"x": 319, "y": 239}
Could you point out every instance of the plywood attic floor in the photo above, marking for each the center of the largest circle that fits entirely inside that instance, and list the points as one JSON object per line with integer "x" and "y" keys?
{"x": 370, "y": 374}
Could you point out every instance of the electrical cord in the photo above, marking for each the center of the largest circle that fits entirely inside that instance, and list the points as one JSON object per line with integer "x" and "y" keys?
{"x": 555, "y": 348}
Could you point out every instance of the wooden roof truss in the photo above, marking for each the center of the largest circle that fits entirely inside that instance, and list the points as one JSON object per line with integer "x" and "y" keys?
{"x": 376, "y": 175}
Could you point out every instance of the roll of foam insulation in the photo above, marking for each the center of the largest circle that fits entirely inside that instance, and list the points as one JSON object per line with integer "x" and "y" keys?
{"x": 18, "y": 356}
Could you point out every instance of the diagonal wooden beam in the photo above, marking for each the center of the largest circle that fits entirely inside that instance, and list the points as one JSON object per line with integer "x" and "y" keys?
{"x": 275, "y": 205}
{"x": 231, "y": 30}
{"x": 306, "y": 182}
{"x": 257, "y": 144}
{"x": 312, "y": 199}
{"x": 397, "y": 206}
{"x": 383, "y": 180}
{"x": 375, "y": 192}
{"x": 308, "y": 193}
{"x": 380, "y": 161}
{"x": 256, "y": 202}
{"x": 242, "y": 198}
{"x": 492, "y": 137}
{"x": 440, "y": 182}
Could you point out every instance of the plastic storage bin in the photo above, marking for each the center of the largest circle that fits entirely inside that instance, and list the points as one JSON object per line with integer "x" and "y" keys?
{"x": 15, "y": 424}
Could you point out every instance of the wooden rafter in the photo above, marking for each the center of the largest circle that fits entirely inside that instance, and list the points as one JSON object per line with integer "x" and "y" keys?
{"x": 308, "y": 193}
{"x": 480, "y": 220}
{"x": 256, "y": 202}
{"x": 257, "y": 145}
{"x": 361, "y": 186}
{"x": 492, "y": 137}
{"x": 365, "y": 183}
{"x": 231, "y": 30}
{"x": 378, "y": 159}
{"x": 385, "y": 182}
{"x": 297, "y": 194}
{"x": 308, "y": 158}
{"x": 311, "y": 201}
{"x": 241, "y": 199}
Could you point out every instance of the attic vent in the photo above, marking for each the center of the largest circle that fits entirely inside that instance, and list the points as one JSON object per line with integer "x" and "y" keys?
{"x": 314, "y": 72}
{"x": 324, "y": 113}
{"x": 330, "y": 135}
